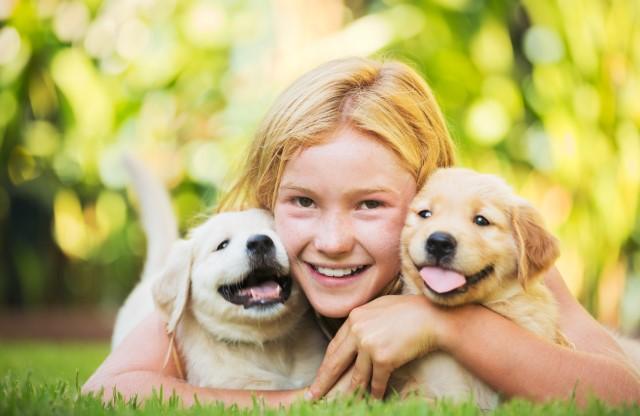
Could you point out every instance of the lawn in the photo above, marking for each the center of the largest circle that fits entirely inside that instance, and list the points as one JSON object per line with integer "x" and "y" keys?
{"x": 44, "y": 378}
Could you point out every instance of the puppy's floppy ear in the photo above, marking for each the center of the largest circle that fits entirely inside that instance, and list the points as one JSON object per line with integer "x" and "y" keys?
{"x": 537, "y": 248}
{"x": 171, "y": 286}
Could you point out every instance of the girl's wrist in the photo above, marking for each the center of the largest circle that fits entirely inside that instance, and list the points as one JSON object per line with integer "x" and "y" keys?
{"x": 440, "y": 325}
{"x": 449, "y": 326}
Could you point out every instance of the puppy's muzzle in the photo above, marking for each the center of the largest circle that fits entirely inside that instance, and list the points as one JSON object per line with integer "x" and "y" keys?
{"x": 441, "y": 245}
{"x": 267, "y": 283}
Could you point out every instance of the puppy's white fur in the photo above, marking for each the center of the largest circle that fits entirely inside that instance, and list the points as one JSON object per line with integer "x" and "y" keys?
{"x": 223, "y": 344}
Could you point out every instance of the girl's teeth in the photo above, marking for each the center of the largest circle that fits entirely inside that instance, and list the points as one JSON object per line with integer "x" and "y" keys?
{"x": 338, "y": 272}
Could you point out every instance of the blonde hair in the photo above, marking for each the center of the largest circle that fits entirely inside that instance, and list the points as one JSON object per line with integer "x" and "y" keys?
{"x": 388, "y": 100}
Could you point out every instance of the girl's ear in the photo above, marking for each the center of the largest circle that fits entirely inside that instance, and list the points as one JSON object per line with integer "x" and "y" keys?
{"x": 171, "y": 287}
{"x": 537, "y": 248}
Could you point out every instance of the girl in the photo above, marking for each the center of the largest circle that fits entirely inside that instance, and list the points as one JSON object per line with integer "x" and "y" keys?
{"x": 337, "y": 160}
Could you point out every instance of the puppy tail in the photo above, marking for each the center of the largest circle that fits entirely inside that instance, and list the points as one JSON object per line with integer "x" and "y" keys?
{"x": 158, "y": 220}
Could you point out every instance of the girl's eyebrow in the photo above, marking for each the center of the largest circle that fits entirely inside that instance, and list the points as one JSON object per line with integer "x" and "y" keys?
{"x": 295, "y": 188}
{"x": 367, "y": 191}
{"x": 353, "y": 193}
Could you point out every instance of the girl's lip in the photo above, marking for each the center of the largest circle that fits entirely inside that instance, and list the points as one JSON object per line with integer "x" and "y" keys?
{"x": 334, "y": 281}
{"x": 334, "y": 266}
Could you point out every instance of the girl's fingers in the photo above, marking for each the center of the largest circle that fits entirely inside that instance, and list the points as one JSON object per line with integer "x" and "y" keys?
{"x": 332, "y": 367}
{"x": 379, "y": 381}
{"x": 343, "y": 333}
{"x": 361, "y": 373}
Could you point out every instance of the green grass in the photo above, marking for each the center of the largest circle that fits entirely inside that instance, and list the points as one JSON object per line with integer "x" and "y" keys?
{"x": 51, "y": 362}
{"x": 45, "y": 378}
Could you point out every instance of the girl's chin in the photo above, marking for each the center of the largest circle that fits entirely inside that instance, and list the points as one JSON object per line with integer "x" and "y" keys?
{"x": 334, "y": 308}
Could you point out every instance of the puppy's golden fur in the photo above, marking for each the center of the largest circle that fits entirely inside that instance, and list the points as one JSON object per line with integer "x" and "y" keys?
{"x": 501, "y": 256}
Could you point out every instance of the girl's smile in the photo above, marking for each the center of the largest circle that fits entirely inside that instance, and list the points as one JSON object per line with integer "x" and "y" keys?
{"x": 340, "y": 209}
{"x": 336, "y": 276}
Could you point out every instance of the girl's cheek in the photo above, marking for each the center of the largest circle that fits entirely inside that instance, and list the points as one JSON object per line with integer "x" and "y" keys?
{"x": 385, "y": 231}
{"x": 293, "y": 231}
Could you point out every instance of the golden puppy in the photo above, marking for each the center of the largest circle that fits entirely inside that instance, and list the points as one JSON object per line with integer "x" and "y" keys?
{"x": 469, "y": 239}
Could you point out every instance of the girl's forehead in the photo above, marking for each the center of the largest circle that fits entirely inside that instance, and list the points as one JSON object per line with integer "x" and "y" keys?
{"x": 348, "y": 163}
{"x": 347, "y": 150}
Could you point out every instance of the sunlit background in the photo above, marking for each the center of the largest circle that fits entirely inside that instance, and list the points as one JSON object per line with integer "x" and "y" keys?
{"x": 545, "y": 93}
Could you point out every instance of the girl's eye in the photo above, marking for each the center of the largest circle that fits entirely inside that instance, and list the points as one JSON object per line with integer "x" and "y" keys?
{"x": 370, "y": 204}
{"x": 481, "y": 221}
{"x": 222, "y": 245}
{"x": 303, "y": 201}
{"x": 425, "y": 213}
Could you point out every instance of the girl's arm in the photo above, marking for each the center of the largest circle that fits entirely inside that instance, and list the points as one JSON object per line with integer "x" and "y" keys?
{"x": 136, "y": 368}
{"x": 518, "y": 363}
{"x": 390, "y": 331}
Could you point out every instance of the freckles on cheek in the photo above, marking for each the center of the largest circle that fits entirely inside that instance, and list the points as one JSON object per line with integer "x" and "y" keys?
{"x": 288, "y": 230}
{"x": 386, "y": 234}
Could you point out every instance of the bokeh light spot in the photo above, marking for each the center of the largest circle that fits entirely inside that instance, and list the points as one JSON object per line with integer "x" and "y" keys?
{"x": 538, "y": 148}
{"x": 586, "y": 102}
{"x": 111, "y": 212}
{"x": 556, "y": 206}
{"x": 542, "y": 45}
{"x": 506, "y": 92}
{"x": 70, "y": 231}
{"x": 8, "y": 107}
{"x": 41, "y": 138}
{"x": 100, "y": 38}
{"x": 205, "y": 25}
{"x": 68, "y": 169}
{"x": 9, "y": 44}
{"x": 454, "y": 4}
{"x": 22, "y": 167}
{"x": 630, "y": 319}
{"x": 207, "y": 163}
{"x": 6, "y": 8}
{"x": 133, "y": 37}
{"x": 571, "y": 267}
{"x": 491, "y": 49}
{"x": 70, "y": 21}
{"x": 188, "y": 205}
{"x": 111, "y": 168}
{"x": 487, "y": 122}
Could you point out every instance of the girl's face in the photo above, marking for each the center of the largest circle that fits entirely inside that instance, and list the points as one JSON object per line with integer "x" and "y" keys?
{"x": 340, "y": 209}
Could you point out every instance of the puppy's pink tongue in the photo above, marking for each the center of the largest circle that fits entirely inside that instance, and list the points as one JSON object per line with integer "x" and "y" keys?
{"x": 441, "y": 280}
{"x": 266, "y": 291}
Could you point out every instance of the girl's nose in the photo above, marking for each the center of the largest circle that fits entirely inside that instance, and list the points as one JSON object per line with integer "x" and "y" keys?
{"x": 334, "y": 236}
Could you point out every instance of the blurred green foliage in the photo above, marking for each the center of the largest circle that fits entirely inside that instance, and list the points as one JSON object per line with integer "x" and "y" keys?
{"x": 544, "y": 93}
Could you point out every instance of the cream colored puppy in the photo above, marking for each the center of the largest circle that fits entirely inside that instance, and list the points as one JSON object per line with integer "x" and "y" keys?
{"x": 469, "y": 239}
{"x": 240, "y": 321}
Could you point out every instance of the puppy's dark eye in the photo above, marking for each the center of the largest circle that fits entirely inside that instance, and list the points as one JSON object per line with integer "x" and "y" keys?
{"x": 425, "y": 213}
{"x": 481, "y": 221}
{"x": 222, "y": 245}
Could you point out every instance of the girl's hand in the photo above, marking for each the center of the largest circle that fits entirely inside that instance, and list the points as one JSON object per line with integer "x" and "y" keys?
{"x": 380, "y": 336}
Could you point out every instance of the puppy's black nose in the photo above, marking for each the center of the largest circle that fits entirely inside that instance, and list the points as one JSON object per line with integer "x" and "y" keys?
{"x": 440, "y": 244}
{"x": 259, "y": 244}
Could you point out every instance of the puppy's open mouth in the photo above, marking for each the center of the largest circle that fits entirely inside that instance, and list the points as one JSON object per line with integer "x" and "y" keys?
{"x": 262, "y": 287}
{"x": 446, "y": 282}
